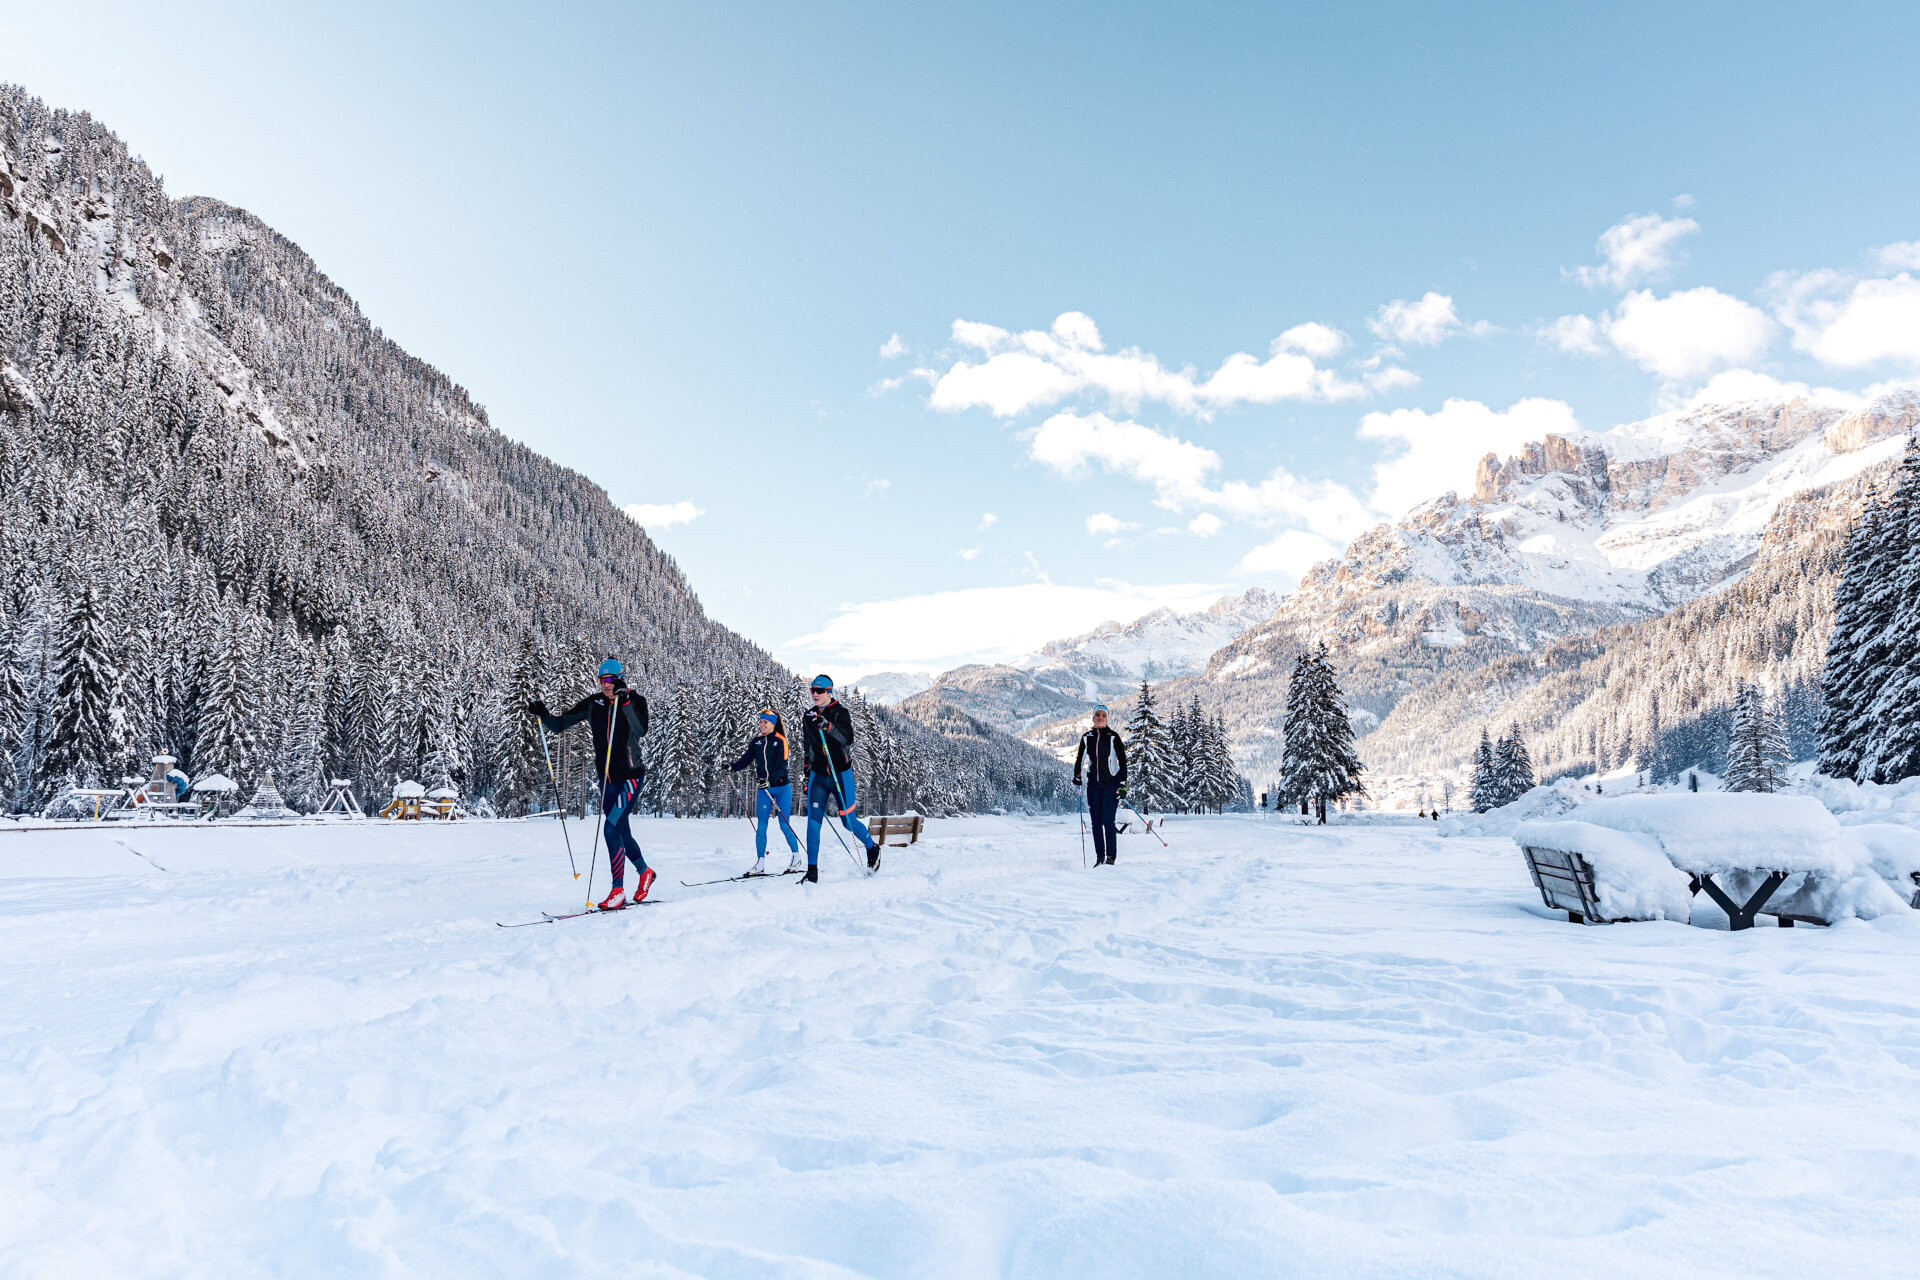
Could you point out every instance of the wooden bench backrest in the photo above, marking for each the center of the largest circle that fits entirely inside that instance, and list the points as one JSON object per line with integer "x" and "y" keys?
{"x": 887, "y": 828}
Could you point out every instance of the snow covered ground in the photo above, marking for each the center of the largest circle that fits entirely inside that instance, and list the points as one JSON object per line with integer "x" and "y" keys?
{"x": 1271, "y": 1051}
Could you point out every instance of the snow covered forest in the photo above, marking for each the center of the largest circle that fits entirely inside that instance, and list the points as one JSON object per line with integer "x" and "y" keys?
{"x": 239, "y": 524}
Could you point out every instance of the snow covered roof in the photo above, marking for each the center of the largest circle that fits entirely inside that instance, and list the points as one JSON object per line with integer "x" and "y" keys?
{"x": 216, "y": 782}
{"x": 443, "y": 793}
{"x": 408, "y": 791}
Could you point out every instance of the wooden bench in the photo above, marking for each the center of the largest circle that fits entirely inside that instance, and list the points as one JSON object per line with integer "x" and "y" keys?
{"x": 1565, "y": 882}
{"x": 900, "y": 831}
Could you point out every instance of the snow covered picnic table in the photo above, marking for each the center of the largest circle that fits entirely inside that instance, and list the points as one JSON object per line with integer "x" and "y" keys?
{"x": 1645, "y": 857}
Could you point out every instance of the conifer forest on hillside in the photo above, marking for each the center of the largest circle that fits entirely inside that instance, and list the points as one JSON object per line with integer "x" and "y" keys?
{"x": 239, "y": 525}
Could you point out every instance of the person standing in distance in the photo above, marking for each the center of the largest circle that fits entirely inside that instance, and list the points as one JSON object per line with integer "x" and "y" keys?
{"x": 1104, "y": 756}
{"x": 617, "y": 718}
{"x": 828, "y": 730}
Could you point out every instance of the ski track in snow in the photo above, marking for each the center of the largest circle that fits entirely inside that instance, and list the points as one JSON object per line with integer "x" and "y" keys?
{"x": 1272, "y": 1050}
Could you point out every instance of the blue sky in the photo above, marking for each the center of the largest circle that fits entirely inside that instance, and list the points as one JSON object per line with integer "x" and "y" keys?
{"x": 804, "y": 272}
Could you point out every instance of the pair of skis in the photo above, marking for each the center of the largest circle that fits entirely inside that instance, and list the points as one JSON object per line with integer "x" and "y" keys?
{"x": 746, "y": 875}
{"x": 550, "y": 917}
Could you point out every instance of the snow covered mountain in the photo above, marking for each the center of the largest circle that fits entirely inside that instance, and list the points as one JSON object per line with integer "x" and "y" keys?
{"x": 1064, "y": 677}
{"x": 891, "y": 688}
{"x": 1114, "y": 657}
{"x": 1574, "y": 535}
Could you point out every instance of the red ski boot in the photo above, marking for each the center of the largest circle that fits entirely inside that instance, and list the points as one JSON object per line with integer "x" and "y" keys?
{"x": 615, "y": 900}
{"x": 642, "y": 885}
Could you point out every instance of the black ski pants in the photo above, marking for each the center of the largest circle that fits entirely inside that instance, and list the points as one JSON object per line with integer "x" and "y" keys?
{"x": 1103, "y": 805}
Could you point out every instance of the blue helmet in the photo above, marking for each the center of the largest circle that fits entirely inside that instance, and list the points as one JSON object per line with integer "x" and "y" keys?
{"x": 611, "y": 667}
{"x": 823, "y": 682}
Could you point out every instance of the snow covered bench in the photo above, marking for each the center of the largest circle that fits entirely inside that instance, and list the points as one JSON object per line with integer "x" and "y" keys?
{"x": 902, "y": 829}
{"x": 1601, "y": 876}
{"x": 1647, "y": 856}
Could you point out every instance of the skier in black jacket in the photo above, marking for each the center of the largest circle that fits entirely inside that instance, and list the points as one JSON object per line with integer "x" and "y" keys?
{"x": 617, "y": 719}
{"x": 1104, "y": 755}
{"x": 767, "y": 754}
{"x": 828, "y": 731}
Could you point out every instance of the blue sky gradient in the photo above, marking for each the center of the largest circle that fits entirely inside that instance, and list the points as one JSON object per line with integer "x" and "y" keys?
{"x": 666, "y": 247}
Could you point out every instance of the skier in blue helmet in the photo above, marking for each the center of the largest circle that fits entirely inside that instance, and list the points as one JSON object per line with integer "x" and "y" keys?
{"x": 767, "y": 754}
{"x": 617, "y": 718}
{"x": 828, "y": 731}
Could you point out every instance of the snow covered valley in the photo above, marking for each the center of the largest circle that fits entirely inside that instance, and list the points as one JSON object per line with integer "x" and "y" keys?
{"x": 1271, "y": 1050}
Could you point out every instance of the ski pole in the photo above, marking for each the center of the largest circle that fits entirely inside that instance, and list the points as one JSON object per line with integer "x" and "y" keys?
{"x": 558, "y": 802}
{"x": 1083, "y": 829}
{"x": 613, "y": 710}
{"x": 1149, "y": 826}
{"x": 838, "y": 794}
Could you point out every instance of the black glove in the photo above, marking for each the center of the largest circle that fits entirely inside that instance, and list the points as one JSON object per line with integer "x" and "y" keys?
{"x": 1123, "y": 791}
{"x": 811, "y": 718}
{"x": 1076, "y": 779}
{"x": 535, "y": 708}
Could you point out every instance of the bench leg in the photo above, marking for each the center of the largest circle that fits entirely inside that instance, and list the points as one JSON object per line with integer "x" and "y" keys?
{"x": 1574, "y": 917}
{"x": 1738, "y": 916}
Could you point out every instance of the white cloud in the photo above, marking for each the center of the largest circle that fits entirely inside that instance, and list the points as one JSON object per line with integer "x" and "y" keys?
{"x": 1851, "y": 323}
{"x": 968, "y": 553}
{"x": 1737, "y": 385}
{"x": 1425, "y": 323}
{"x": 1641, "y": 247}
{"x": 1312, "y": 339}
{"x": 1690, "y": 333}
{"x": 988, "y": 520}
{"x": 653, "y": 515}
{"x": 1293, "y": 552}
{"x": 1683, "y": 201}
{"x": 1576, "y": 335}
{"x": 1904, "y": 256}
{"x": 876, "y": 484}
{"x": 1441, "y": 451}
{"x": 979, "y": 624}
{"x": 1179, "y": 470}
{"x": 1204, "y": 525}
{"x": 1392, "y": 378}
{"x": 1029, "y": 370}
{"x": 1100, "y": 523}
{"x": 1067, "y": 442}
{"x": 892, "y": 347}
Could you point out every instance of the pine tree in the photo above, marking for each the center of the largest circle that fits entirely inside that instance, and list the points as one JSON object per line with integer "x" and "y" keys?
{"x": 1512, "y": 767}
{"x": 229, "y": 743}
{"x": 1298, "y": 750}
{"x": 1757, "y": 753}
{"x": 81, "y": 740}
{"x": 1318, "y": 758}
{"x": 1484, "y": 790}
{"x": 1148, "y": 763}
{"x": 1869, "y": 603}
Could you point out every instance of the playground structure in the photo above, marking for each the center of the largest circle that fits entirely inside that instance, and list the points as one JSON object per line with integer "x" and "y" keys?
{"x": 161, "y": 796}
{"x": 340, "y": 802}
{"x": 412, "y": 802}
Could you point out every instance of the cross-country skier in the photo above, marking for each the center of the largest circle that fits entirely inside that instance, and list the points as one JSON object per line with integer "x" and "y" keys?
{"x": 767, "y": 753}
{"x": 828, "y": 730}
{"x": 617, "y": 718}
{"x": 1104, "y": 755}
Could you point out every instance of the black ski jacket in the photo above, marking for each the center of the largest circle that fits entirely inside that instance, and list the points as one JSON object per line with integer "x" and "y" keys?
{"x": 838, "y": 727}
{"x": 625, "y": 718}
{"x": 1105, "y": 755}
{"x": 767, "y": 753}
